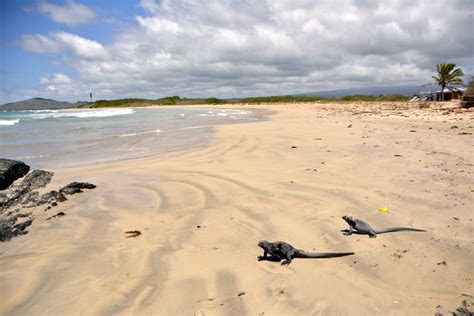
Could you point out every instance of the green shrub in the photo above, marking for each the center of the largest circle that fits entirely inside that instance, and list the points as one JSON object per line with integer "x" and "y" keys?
{"x": 468, "y": 98}
{"x": 168, "y": 100}
{"x": 115, "y": 103}
{"x": 362, "y": 97}
{"x": 213, "y": 101}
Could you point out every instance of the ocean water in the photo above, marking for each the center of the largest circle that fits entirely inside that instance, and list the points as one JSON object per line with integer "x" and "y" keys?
{"x": 45, "y": 138}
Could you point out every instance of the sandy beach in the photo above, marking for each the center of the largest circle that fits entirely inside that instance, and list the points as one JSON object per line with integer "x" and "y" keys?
{"x": 202, "y": 212}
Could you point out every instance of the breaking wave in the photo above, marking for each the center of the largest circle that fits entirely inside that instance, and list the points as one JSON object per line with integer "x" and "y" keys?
{"x": 225, "y": 113}
{"x": 9, "y": 122}
{"x": 82, "y": 113}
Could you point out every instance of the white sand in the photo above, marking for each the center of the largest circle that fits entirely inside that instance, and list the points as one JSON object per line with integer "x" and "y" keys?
{"x": 248, "y": 185}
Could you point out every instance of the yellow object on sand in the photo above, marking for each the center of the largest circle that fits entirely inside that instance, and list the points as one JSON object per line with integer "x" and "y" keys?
{"x": 383, "y": 209}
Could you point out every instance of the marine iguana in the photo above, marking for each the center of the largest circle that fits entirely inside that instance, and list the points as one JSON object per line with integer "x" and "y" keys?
{"x": 358, "y": 226}
{"x": 280, "y": 250}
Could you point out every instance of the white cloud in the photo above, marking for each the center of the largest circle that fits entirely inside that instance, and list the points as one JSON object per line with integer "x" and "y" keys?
{"x": 81, "y": 46}
{"x": 150, "y": 5}
{"x": 61, "y": 79}
{"x": 44, "y": 80}
{"x": 240, "y": 48}
{"x": 158, "y": 25}
{"x": 56, "y": 85}
{"x": 58, "y": 42}
{"x": 58, "y": 79}
{"x": 39, "y": 43}
{"x": 72, "y": 13}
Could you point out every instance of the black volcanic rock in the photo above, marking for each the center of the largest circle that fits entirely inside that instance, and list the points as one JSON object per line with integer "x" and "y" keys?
{"x": 10, "y": 170}
{"x": 76, "y": 187}
{"x": 38, "y": 179}
{"x": 24, "y": 194}
{"x": 9, "y": 227}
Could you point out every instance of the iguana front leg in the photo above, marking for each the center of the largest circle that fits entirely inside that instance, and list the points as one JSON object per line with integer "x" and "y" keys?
{"x": 260, "y": 258}
{"x": 349, "y": 231}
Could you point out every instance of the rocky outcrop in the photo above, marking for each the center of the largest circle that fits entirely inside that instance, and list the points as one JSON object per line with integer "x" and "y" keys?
{"x": 23, "y": 194}
{"x": 10, "y": 170}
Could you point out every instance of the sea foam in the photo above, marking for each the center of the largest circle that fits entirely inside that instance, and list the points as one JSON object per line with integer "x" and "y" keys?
{"x": 79, "y": 113}
{"x": 224, "y": 113}
{"x": 157, "y": 131}
{"x": 9, "y": 122}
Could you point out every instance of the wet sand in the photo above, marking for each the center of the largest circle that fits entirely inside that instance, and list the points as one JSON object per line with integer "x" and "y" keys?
{"x": 201, "y": 214}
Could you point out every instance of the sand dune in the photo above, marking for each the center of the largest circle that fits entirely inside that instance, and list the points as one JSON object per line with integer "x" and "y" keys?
{"x": 291, "y": 178}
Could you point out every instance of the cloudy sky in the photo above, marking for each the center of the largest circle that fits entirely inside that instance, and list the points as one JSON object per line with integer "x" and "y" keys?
{"x": 151, "y": 48}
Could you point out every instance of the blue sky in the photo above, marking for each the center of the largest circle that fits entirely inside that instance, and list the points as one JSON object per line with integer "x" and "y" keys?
{"x": 21, "y": 69}
{"x": 146, "y": 48}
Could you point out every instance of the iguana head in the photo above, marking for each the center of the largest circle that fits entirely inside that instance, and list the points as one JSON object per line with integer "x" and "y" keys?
{"x": 349, "y": 220}
{"x": 263, "y": 244}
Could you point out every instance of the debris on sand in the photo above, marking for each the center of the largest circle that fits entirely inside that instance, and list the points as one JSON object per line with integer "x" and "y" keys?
{"x": 133, "y": 233}
{"x": 464, "y": 310}
{"x": 57, "y": 215}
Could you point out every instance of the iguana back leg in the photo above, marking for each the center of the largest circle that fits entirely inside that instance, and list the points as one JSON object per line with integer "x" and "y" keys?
{"x": 372, "y": 234}
{"x": 289, "y": 256}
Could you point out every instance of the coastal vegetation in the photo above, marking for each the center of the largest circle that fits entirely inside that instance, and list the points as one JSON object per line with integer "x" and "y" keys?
{"x": 448, "y": 75}
{"x": 172, "y": 100}
{"x": 468, "y": 98}
{"x": 362, "y": 97}
{"x": 176, "y": 100}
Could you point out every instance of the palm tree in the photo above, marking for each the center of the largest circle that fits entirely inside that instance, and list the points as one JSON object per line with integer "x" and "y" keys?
{"x": 448, "y": 76}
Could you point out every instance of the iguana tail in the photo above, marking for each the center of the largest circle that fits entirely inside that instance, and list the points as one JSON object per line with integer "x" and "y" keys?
{"x": 303, "y": 254}
{"x": 397, "y": 229}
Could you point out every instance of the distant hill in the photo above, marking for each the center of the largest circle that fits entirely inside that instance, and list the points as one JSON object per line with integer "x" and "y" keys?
{"x": 389, "y": 90}
{"x": 38, "y": 104}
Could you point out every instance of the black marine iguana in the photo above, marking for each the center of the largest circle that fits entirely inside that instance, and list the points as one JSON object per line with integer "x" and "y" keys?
{"x": 358, "y": 226}
{"x": 280, "y": 250}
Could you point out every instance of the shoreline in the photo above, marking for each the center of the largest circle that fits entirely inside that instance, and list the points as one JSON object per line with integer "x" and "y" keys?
{"x": 105, "y": 135}
{"x": 288, "y": 178}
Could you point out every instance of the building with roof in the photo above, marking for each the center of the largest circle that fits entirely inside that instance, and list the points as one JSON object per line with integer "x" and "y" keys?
{"x": 455, "y": 94}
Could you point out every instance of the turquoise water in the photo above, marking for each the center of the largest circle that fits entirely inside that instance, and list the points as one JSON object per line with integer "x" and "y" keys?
{"x": 46, "y": 138}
